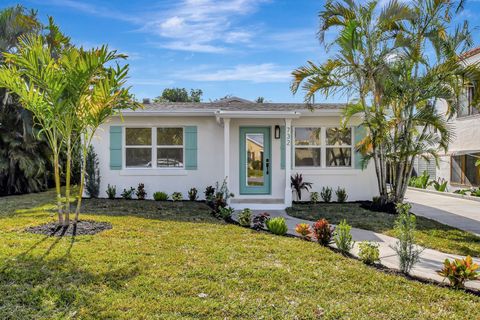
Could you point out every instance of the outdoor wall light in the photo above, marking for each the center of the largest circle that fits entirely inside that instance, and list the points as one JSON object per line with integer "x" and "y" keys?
{"x": 277, "y": 132}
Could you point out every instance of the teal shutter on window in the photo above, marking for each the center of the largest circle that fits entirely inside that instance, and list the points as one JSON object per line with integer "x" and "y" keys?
{"x": 282, "y": 147}
{"x": 191, "y": 148}
{"x": 359, "y": 135}
{"x": 115, "y": 147}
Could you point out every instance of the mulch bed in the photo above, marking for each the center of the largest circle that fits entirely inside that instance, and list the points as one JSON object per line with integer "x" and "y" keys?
{"x": 83, "y": 227}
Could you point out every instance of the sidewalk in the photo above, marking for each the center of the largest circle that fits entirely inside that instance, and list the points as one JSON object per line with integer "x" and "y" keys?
{"x": 430, "y": 260}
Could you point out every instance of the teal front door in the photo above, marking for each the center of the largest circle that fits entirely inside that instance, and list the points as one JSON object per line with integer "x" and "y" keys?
{"x": 255, "y": 162}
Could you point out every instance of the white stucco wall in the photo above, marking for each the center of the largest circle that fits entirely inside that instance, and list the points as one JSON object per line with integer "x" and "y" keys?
{"x": 360, "y": 184}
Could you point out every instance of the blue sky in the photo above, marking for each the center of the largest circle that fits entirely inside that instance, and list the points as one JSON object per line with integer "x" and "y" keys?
{"x": 246, "y": 48}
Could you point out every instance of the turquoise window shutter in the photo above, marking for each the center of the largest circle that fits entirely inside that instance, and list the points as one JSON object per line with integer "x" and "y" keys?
{"x": 360, "y": 133}
{"x": 282, "y": 147}
{"x": 115, "y": 147}
{"x": 191, "y": 148}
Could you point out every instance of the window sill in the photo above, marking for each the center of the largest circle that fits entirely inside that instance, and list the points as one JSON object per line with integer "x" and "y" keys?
{"x": 153, "y": 172}
{"x": 327, "y": 171}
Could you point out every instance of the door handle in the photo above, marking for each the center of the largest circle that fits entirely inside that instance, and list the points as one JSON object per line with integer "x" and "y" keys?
{"x": 267, "y": 164}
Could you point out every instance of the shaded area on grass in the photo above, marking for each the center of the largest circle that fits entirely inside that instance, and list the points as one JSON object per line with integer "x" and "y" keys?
{"x": 430, "y": 233}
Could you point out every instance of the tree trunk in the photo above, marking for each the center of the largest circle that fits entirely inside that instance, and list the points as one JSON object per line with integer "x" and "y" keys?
{"x": 66, "y": 222}
{"x": 82, "y": 183}
{"x": 58, "y": 190}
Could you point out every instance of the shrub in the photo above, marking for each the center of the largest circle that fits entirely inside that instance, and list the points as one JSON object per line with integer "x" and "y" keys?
{"x": 297, "y": 183}
{"x": 277, "y": 225}
{"x": 314, "y": 197}
{"x": 127, "y": 194}
{"x": 111, "y": 191}
{"x": 440, "y": 184}
{"x": 420, "y": 181}
{"x": 475, "y": 192}
{"x": 343, "y": 237}
{"x": 219, "y": 198}
{"x": 463, "y": 192}
{"x": 259, "y": 221}
{"x": 323, "y": 231}
{"x": 304, "y": 230}
{"x": 459, "y": 270}
{"x": 226, "y": 213}
{"x": 193, "y": 194}
{"x": 160, "y": 196}
{"x": 405, "y": 247}
{"x": 245, "y": 218}
{"x": 177, "y": 196}
{"x": 209, "y": 192}
{"x": 141, "y": 194}
{"x": 341, "y": 194}
{"x": 369, "y": 252}
{"x": 92, "y": 174}
{"x": 326, "y": 194}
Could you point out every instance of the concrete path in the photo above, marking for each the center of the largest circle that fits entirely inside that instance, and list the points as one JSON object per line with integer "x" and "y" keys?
{"x": 459, "y": 213}
{"x": 430, "y": 260}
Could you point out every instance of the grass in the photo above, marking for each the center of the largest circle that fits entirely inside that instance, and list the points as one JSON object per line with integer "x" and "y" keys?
{"x": 168, "y": 260}
{"x": 430, "y": 233}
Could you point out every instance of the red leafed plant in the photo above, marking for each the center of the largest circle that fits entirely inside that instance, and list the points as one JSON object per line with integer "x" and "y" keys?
{"x": 459, "y": 270}
{"x": 304, "y": 230}
{"x": 323, "y": 231}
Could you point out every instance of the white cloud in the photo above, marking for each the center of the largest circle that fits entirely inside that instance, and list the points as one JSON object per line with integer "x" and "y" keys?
{"x": 259, "y": 73}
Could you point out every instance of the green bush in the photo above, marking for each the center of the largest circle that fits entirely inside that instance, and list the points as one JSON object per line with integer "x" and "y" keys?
{"x": 127, "y": 194}
{"x": 440, "y": 184}
{"x": 111, "y": 191}
{"x": 341, "y": 194}
{"x": 463, "y": 192}
{"x": 245, "y": 218}
{"x": 369, "y": 252}
{"x": 177, "y": 196}
{"x": 160, "y": 196}
{"x": 277, "y": 225}
{"x": 326, "y": 194}
{"x": 420, "y": 182}
{"x": 225, "y": 213}
{"x": 314, "y": 197}
{"x": 343, "y": 237}
{"x": 193, "y": 194}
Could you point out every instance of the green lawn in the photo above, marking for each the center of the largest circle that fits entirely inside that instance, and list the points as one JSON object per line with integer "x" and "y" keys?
{"x": 430, "y": 233}
{"x": 174, "y": 261}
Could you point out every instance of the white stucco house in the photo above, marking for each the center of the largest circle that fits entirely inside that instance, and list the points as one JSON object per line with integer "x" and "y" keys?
{"x": 172, "y": 147}
{"x": 457, "y": 166}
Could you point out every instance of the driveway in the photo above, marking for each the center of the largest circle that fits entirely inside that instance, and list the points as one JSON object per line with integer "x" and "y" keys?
{"x": 459, "y": 213}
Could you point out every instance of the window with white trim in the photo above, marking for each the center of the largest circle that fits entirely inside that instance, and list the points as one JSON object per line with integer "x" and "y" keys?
{"x": 161, "y": 147}
{"x": 338, "y": 148}
{"x": 308, "y": 147}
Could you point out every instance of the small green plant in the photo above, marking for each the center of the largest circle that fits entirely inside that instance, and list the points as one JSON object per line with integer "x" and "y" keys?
{"x": 314, "y": 197}
{"x": 405, "y": 248}
{"x": 140, "y": 193}
{"x": 193, "y": 194}
{"x": 421, "y": 182}
{"x": 326, "y": 194}
{"x": 463, "y": 192}
{"x": 458, "y": 271}
{"x": 277, "y": 225}
{"x": 260, "y": 220}
{"x": 440, "y": 184}
{"x": 343, "y": 237}
{"x": 160, "y": 196}
{"x": 297, "y": 184}
{"x": 323, "y": 231}
{"x": 245, "y": 218}
{"x": 369, "y": 252}
{"x": 304, "y": 230}
{"x": 209, "y": 193}
{"x": 225, "y": 213}
{"x": 127, "y": 194}
{"x": 475, "y": 192}
{"x": 341, "y": 194}
{"x": 111, "y": 191}
{"x": 177, "y": 196}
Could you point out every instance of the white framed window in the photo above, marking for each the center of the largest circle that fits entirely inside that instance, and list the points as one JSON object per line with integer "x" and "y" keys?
{"x": 154, "y": 147}
{"x": 319, "y": 147}
{"x": 308, "y": 147}
{"x": 338, "y": 147}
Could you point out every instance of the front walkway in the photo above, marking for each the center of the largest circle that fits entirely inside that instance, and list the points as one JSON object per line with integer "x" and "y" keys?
{"x": 430, "y": 260}
{"x": 459, "y": 213}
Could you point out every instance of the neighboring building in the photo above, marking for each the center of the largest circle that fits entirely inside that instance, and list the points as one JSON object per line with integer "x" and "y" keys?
{"x": 257, "y": 146}
{"x": 458, "y": 165}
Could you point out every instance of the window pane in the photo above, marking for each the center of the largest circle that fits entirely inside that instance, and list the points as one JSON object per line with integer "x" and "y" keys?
{"x": 255, "y": 151}
{"x": 307, "y": 157}
{"x": 339, "y": 136}
{"x": 138, "y": 136}
{"x": 339, "y": 157}
{"x": 169, "y": 136}
{"x": 139, "y": 157}
{"x": 472, "y": 174}
{"x": 456, "y": 171}
{"x": 170, "y": 157}
{"x": 307, "y": 136}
